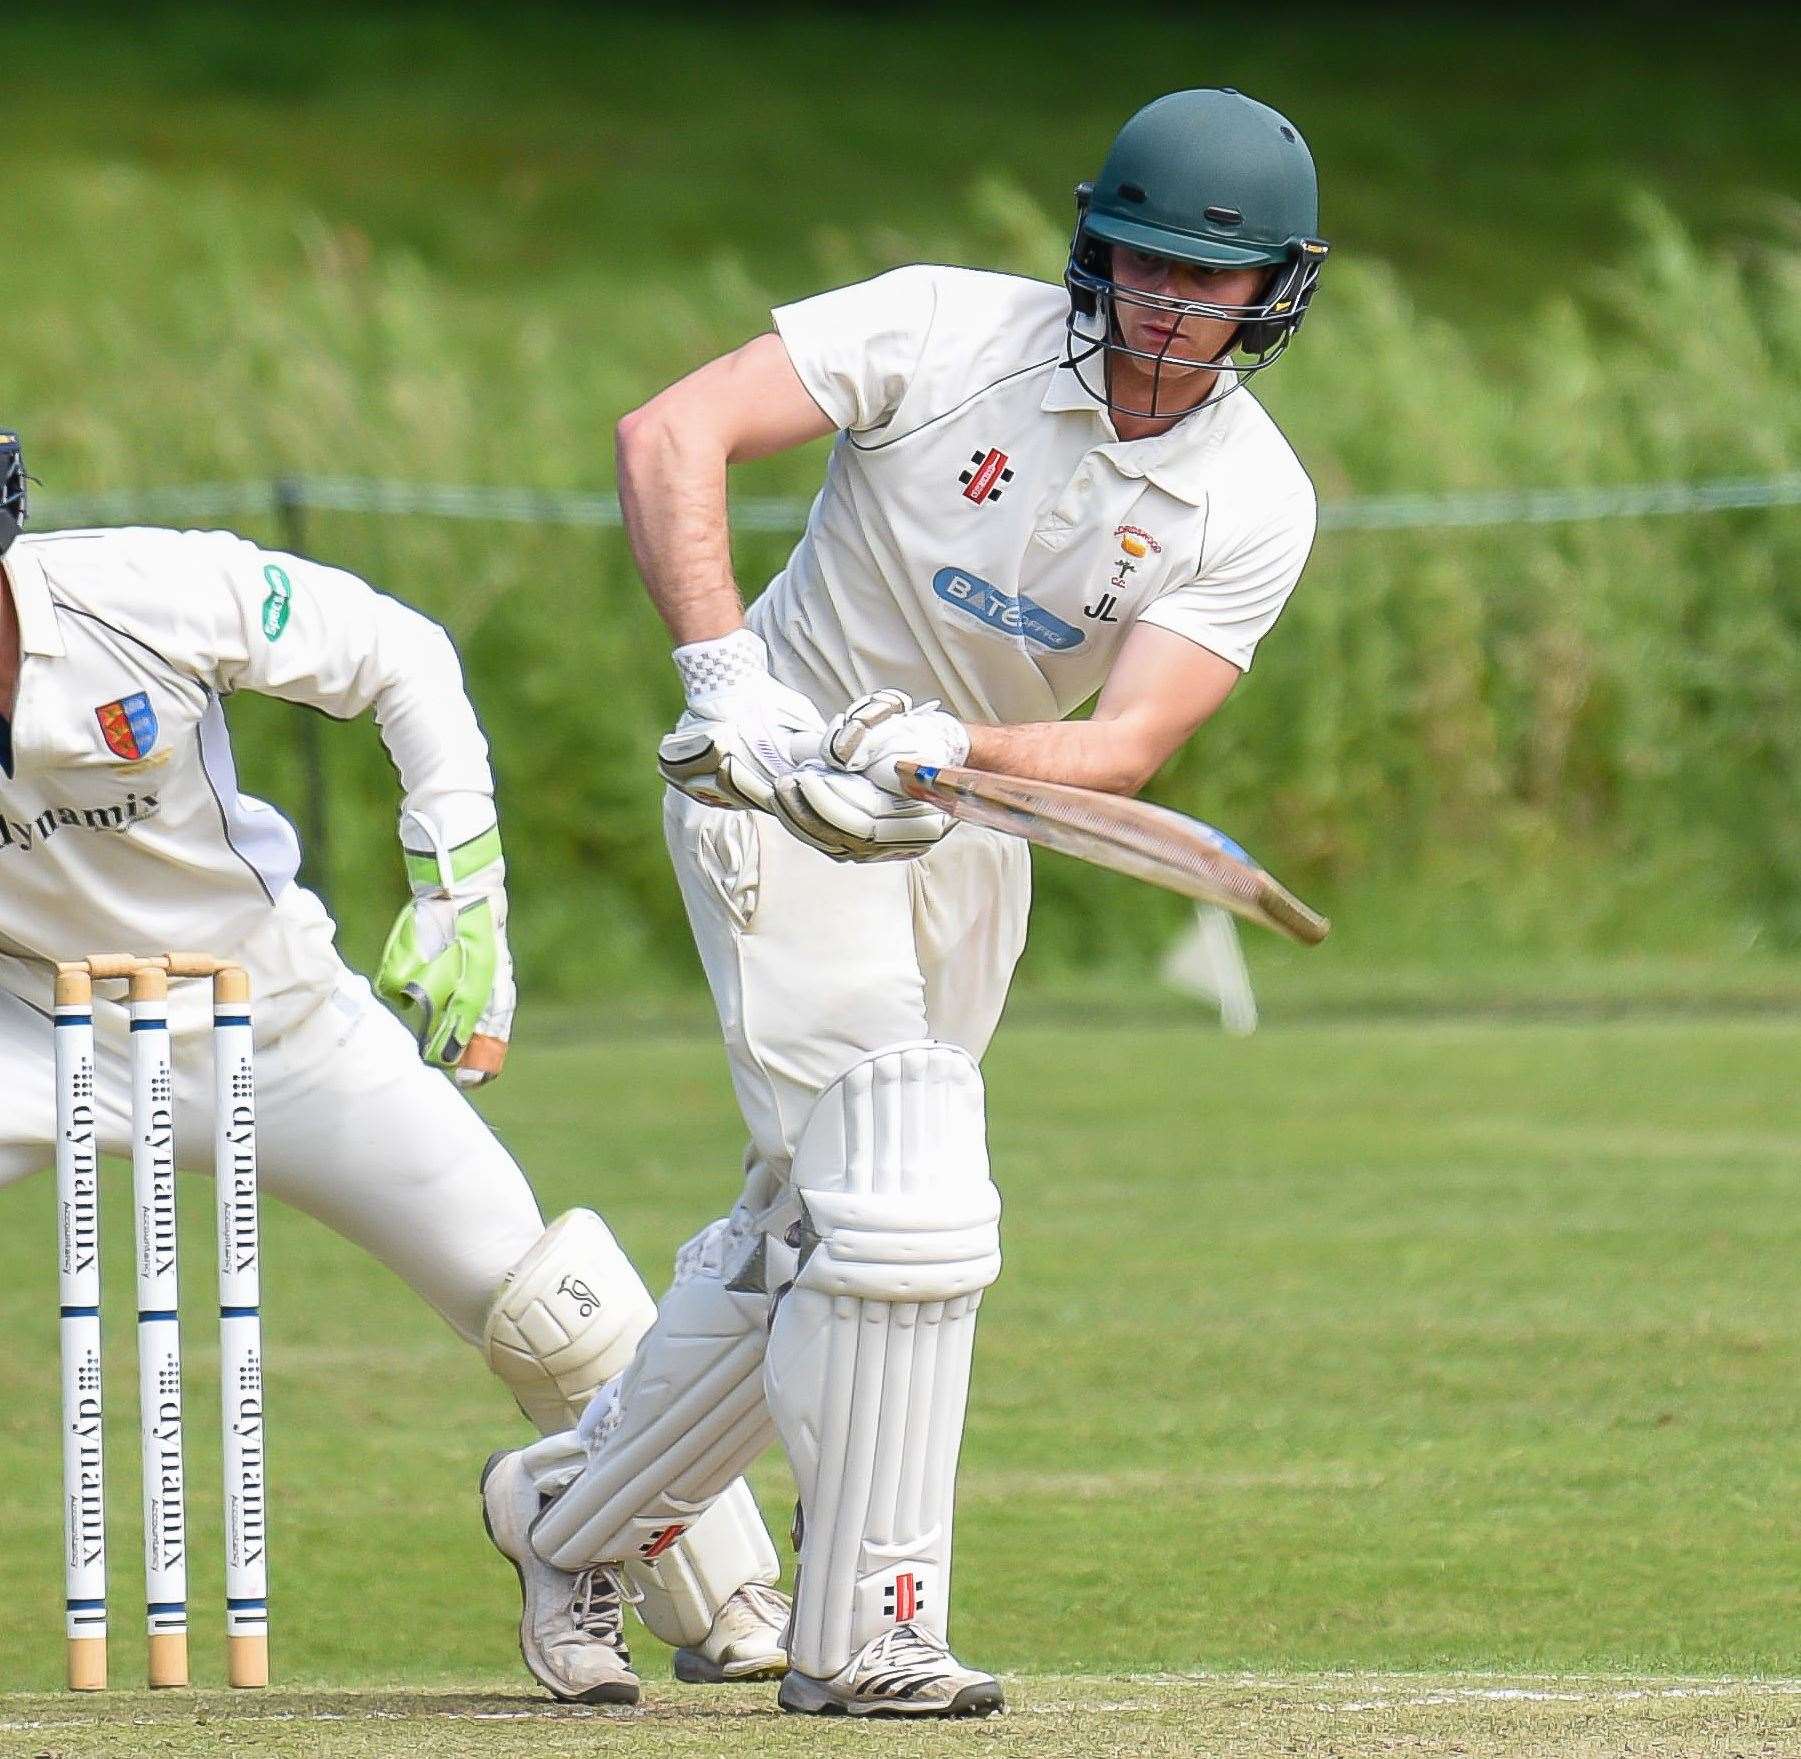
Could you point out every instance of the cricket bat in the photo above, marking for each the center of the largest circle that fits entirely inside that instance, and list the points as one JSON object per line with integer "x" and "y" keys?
{"x": 1128, "y": 836}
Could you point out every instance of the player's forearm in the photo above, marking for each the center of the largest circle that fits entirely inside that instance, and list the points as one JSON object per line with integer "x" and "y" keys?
{"x": 1112, "y": 756}
{"x": 1161, "y": 688}
{"x": 428, "y": 724}
{"x": 672, "y": 493}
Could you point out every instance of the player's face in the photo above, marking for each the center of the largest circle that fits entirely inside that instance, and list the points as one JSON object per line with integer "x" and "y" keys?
{"x": 1173, "y": 336}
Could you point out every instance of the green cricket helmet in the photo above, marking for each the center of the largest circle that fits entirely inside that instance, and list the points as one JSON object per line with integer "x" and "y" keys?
{"x": 12, "y": 488}
{"x": 1209, "y": 177}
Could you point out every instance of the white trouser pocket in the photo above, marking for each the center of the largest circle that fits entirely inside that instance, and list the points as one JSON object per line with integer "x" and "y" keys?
{"x": 728, "y": 853}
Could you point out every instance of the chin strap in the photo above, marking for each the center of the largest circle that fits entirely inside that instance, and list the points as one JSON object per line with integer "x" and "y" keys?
{"x": 12, "y": 488}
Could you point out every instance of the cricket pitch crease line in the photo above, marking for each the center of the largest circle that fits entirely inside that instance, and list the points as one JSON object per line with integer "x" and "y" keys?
{"x": 1568, "y": 1689}
{"x": 1530, "y": 1695}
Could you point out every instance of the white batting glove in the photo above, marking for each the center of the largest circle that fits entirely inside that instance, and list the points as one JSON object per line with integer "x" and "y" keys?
{"x": 883, "y": 728}
{"x": 850, "y": 819}
{"x": 736, "y": 739}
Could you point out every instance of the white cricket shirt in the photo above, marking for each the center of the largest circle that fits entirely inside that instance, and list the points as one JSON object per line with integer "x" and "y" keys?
{"x": 983, "y": 536}
{"x": 121, "y": 825}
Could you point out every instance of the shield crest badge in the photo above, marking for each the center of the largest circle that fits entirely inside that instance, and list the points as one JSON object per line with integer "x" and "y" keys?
{"x": 128, "y": 726}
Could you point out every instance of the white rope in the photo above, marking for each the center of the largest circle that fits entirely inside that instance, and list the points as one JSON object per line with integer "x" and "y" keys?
{"x": 780, "y": 513}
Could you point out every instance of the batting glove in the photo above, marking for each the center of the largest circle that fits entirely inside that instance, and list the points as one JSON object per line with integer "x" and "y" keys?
{"x": 741, "y": 729}
{"x": 446, "y": 956}
{"x": 883, "y": 728}
{"x": 850, "y": 819}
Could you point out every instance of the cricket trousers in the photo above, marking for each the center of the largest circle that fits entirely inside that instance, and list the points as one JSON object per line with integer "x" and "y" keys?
{"x": 815, "y": 963}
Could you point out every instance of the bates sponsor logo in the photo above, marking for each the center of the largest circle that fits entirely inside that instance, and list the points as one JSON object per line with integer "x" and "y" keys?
{"x": 1010, "y": 614}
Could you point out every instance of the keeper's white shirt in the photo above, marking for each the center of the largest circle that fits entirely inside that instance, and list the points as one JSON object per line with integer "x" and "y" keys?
{"x": 983, "y": 536}
{"x": 121, "y": 825}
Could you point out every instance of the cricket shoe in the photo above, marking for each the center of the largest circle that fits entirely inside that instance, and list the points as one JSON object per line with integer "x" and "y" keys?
{"x": 571, "y": 1627}
{"x": 905, "y": 1671}
{"x": 747, "y": 1641}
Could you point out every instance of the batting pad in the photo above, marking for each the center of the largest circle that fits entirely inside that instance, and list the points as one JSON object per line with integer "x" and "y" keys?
{"x": 868, "y": 1362}
{"x": 566, "y": 1320}
{"x": 686, "y": 1576}
{"x": 688, "y": 1419}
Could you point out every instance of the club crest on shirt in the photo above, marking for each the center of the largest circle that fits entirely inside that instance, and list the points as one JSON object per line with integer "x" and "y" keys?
{"x": 128, "y": 726}
{"x": 1137, "y": 542}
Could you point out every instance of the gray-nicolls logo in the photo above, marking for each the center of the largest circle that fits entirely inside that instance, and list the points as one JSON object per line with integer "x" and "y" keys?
{"x": 586, "y": 1301}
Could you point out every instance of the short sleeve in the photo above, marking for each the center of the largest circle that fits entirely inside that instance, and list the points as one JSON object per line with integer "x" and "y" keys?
{"x": 857, "y": 348}
{"x": 1238, "y": 598}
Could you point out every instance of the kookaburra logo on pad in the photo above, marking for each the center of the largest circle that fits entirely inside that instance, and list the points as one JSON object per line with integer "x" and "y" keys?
{"x": 579, "y": 1292}
{"x": 986, "y": 473}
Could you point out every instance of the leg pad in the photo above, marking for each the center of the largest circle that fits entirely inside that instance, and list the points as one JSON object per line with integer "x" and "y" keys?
{"x": 869, "y": 1353}
{"x": 566, "y": 1320}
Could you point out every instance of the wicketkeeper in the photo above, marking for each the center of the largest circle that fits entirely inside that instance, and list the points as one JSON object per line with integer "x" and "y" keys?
{"x": 1037, "y": 494}
{"x": 122, "y": 830}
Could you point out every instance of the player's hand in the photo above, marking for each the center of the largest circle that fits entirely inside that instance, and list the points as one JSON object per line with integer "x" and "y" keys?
{"x": 850, "y": 819}
{"x": 883, "y": 729}
{"x": 446, "y": 958}
{"x": 737, "y": 738}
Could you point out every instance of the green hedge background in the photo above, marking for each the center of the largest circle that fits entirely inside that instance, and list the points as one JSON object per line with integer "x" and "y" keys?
{"x": 418, "y": 244}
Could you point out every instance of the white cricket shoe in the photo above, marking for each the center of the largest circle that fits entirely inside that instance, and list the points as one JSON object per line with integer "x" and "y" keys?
{"x": 571, "y": 1627}
{"x": 904, "y": 1672}
{"x": 745, "y": 1643}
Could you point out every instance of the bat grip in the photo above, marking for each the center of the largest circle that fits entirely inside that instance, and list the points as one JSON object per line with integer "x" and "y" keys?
{"x": 805, "y": 747}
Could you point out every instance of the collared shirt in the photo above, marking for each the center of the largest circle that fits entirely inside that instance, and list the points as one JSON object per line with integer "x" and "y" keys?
{"x": 984, "y": 536}
{"x": 122, "y": 828}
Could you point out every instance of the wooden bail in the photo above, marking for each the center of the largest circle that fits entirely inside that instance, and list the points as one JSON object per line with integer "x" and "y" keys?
{"x": 231, "y": 984}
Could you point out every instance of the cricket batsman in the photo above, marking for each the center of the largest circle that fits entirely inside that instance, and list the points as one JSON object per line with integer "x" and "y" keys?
{"x": 1038, "y": 495}
{"x": 122, "y": 830}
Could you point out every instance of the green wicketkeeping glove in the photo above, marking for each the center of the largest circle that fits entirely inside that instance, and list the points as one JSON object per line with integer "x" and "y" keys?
{"x": 446, "y": 957}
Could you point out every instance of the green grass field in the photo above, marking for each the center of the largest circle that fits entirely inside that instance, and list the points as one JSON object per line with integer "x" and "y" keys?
{"x": 1384, "y": 1349}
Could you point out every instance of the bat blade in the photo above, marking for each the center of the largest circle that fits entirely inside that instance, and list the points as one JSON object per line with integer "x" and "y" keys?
{"x": 1127, "y": 836}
